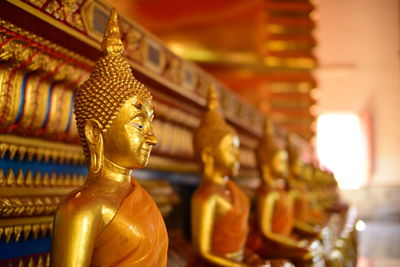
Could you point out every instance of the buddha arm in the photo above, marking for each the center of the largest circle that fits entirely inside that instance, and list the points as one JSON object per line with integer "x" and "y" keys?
{"x": 203, "y": 220}
{"x": 300, "y": 223}
{"x": 305, "y": 228}
{"x": 265, "y": 221}
{"x": 75, "y": 229}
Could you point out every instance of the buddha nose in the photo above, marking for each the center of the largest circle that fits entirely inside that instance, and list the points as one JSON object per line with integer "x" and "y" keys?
{"x": 151, "y": 138}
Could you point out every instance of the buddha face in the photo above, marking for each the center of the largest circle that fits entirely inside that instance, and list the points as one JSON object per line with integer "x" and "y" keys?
{"x": 226, "y": 155}
{"x": 297, "y": 167}
{"x": 279, "y": 163}
{"x": 129, "y": 140}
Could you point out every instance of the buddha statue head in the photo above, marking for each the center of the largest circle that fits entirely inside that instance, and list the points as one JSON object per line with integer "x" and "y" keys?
{"x": 271, "y": 156}
{"x": 216, "y": 144}
{"x": 114, "y": 110}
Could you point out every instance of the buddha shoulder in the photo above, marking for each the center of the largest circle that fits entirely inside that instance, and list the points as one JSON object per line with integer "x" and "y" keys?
{"x": 208, "y": 191}
{"x": 212, "y": 194}
{"x": 83, "y": 204}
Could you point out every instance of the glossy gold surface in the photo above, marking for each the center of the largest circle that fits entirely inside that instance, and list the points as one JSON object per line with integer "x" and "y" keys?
{"x": 220, "y": 209}
{"x": 111, "y": 220}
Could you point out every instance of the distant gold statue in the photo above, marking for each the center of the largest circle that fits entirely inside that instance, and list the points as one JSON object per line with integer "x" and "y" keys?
{"x": 111, "y": 220}
{"x": 305, "y": 220}
{"x": 318, "y": 206}
{"x": 273, "y": 233}
{"x": 220, "y": 209}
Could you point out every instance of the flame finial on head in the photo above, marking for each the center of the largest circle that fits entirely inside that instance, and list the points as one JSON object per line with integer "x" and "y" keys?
{"x": 269, "y": 145}
{"x": 212, "y": 98}
{"x": 269, "y": 127}
{"x": 293, "y": 150}
{"x": 112, "y": 44}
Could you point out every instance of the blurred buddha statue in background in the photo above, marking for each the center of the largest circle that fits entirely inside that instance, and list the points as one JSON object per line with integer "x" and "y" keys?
{"x": 273, "y": 233}
{"x": 220, "y": 209}
{"x": 111, "y": 220}
{"x": 305, "y": 220}
{"x": 313, "y": 185}
{"x": 328, "y": 191}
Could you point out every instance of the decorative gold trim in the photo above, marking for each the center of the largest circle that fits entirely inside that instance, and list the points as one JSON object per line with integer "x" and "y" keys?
{"x": 27, "y": 206}
{"x": 46, "y": 43}
{"x": 31, "y": 192}
{"x": 55, "y": 23}
{"x": 42, "y": 260}
{"x": 38, "y": 67}
{"x": 24, "y": 227}
{"x": 46, "y": 150}
{"x": 22, "y": 221}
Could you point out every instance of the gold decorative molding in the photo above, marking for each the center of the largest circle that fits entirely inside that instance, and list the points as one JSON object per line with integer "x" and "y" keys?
{"x": 28, "y": 195}
{"x": 53, "y": 18}
{"x": 41, "y": 260}
{"x": 27, "y": 206}
{"x": 19, "y": 184}
{"x": 22, "y": 228}
{"x": 37, "y": 78}
{"x": 48, "y": 151}
{"x": 27, "y": 43}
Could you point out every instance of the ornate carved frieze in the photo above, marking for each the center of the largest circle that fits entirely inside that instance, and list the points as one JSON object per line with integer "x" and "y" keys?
{"x": 65, "y": 11}
{"x": 37, "y": 260}
{"x": 37, "y": 79}
{"x": 19, "y": 229}
{"x": 24, "y": 148}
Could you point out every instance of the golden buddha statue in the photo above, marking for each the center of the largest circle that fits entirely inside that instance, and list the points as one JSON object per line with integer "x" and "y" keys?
{"x": 220, "y": 210}
{"x": 304, "y": 221}
{"x": 111, "y": 220}
{"x": 326, "y": 188}
{"x": 273, "y": 232}
{"x": 311, "y": 183}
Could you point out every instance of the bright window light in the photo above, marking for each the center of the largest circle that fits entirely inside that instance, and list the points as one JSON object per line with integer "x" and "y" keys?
{"x": 341, "y": 147}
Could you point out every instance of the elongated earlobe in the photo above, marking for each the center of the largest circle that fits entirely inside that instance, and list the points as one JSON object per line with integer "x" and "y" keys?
{"x": 95, "y": 143}
{"x": 208, "y": 162}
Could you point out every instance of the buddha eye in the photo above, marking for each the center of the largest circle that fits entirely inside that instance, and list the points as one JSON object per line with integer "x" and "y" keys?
{"x": 140, "y": 127}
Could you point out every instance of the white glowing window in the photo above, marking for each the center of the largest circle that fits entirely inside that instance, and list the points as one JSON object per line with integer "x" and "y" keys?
{"x": 341, "y": 147}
